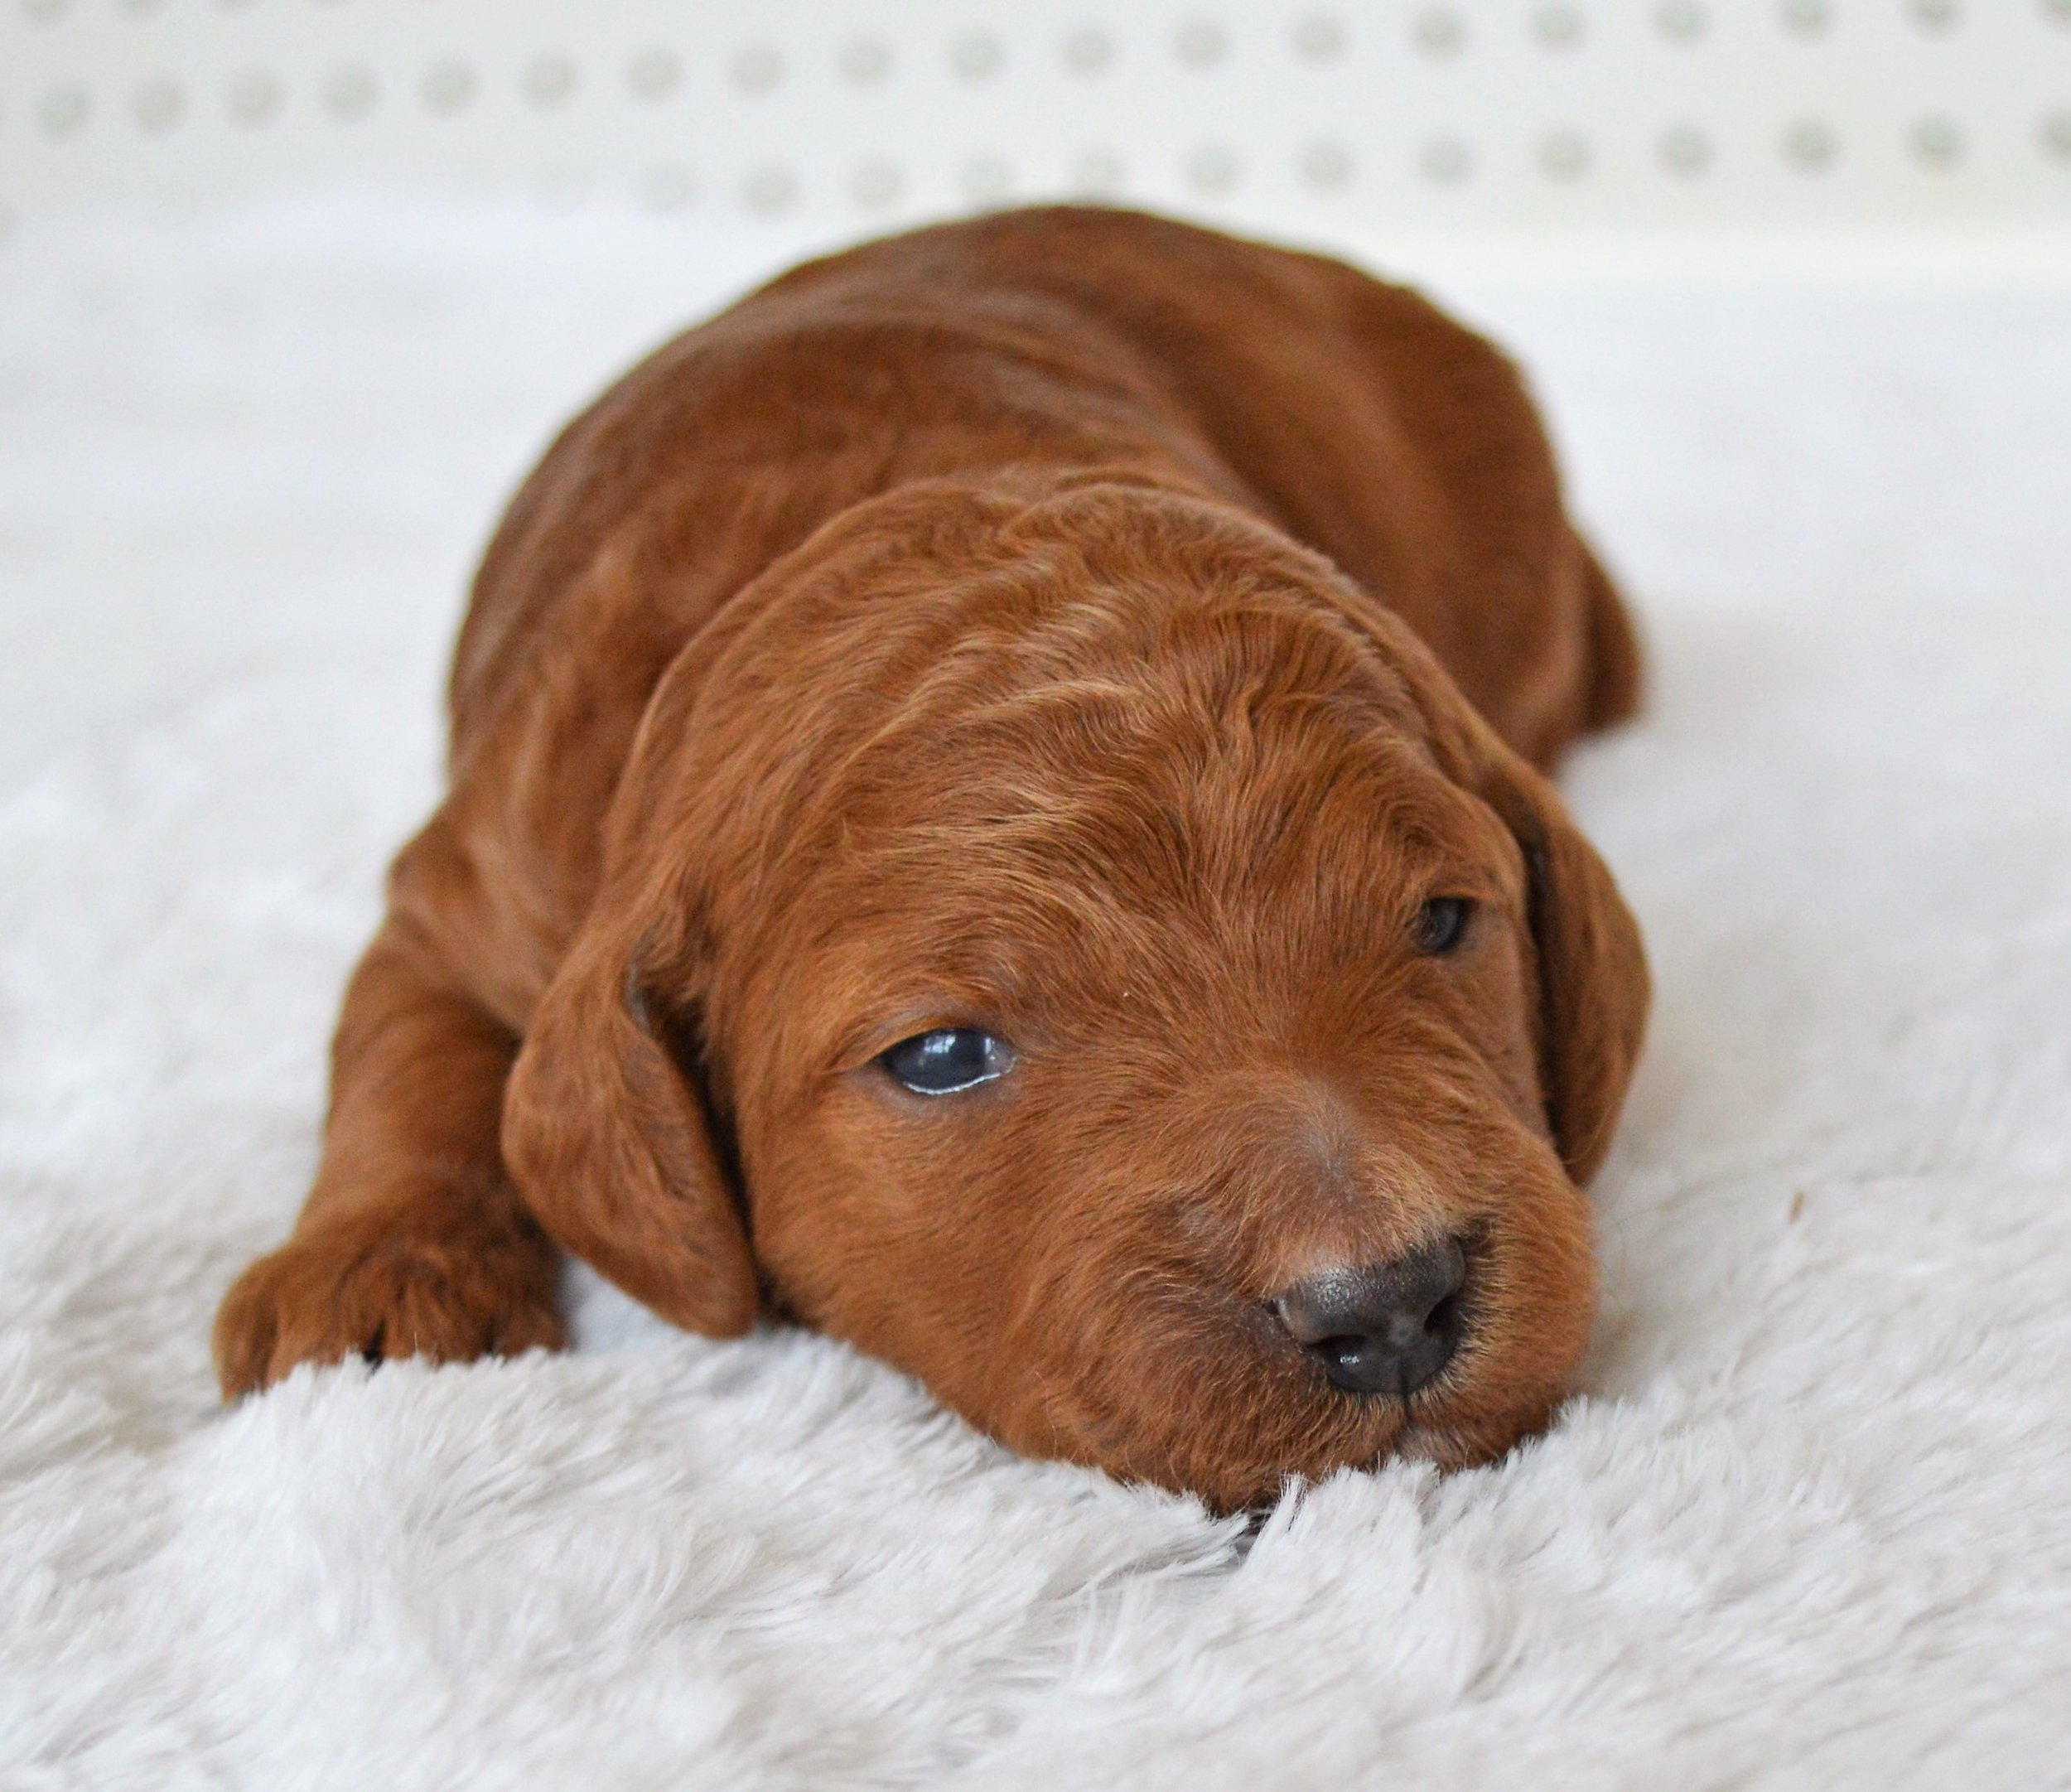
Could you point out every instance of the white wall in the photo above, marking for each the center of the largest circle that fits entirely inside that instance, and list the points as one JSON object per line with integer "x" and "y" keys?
{"x": 1346, "y": 119}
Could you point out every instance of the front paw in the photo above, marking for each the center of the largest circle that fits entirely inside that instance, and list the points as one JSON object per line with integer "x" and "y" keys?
{"x": 378, "y": 1289}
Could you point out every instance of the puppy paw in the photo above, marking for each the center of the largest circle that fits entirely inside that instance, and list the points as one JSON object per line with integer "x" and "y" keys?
{"x": 380, "y": 1289}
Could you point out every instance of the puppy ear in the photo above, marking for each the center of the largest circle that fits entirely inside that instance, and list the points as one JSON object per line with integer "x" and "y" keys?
{"x": 609, "y": 1142}
{"x": 1592, "y": 970}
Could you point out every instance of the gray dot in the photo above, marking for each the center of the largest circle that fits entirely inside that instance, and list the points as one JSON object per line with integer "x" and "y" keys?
{"x": 1810, "y": 146}
{"x": 1558, "y": 26}
{"x": 254, "y": 98}
{"x": 2057, "y": 11}
{"x": 1319, "y": 36}
{"x": 1213, "y": 168}
{"x": 1439, "y": 31}
{"x": 140, "y": 9}
{"x": 1808, "y": 18}
{"x": 64, "y": 108}
{"x": 1936, "y": 143}
{"x": 1445, "y": 160}
{"x": 1326, "y": 164}
{"x": 1200, "y": 43}
{"x": 1680, "y": 21}
{"x": 1685, "y": 150}
{"x": 757, "y": 68}
{"x": 564, "y": 189}
{"x": 2056, "y": 136}
{"x": 349, "y": 92}
{"x": 1936, "y": 15}
{"x": 1088, "y": 51}
{"x": 654, "y": 74}
{"x": 235, "y": 6}
{"x": 448, "y": 87}
{"x": 985, "y": 180}
{"x": 876, "y": 184}
{"x": 864, "y": 61}
{"x": 159, "y": 105}
{"x": 550, "y": 80}
{"x": 667, "y": 186}
{"x": 770, "y": 189}
{"x": 1098, "y": 174}
{"x": 44, "y": 12}
{"x": 977, "y": 56}
{"x": 1564, "y": 155}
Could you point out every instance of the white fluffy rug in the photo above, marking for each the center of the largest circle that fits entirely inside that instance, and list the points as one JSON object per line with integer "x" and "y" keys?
{"x": 1809, "y": 1521}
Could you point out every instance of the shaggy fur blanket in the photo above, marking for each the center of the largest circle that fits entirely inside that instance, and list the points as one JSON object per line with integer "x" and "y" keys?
{"x": 1807, "y": 1523}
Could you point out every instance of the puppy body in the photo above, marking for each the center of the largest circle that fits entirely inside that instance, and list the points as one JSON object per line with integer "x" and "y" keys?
{"x": 1070, "y": 624}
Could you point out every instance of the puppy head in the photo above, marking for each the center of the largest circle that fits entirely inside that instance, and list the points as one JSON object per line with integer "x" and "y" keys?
{"x": 1086, "y": 955}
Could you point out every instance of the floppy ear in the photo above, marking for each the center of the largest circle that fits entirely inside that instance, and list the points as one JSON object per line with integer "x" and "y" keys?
{"x": 607, "y": 1138}
{"x": 1592, "y": 970}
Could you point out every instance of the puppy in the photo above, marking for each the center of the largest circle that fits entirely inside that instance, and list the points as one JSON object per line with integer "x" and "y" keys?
{"x": 997, "y": 811}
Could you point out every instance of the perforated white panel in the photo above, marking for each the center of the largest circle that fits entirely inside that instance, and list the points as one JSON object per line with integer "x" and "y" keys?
{"x": 1341, "y": 118}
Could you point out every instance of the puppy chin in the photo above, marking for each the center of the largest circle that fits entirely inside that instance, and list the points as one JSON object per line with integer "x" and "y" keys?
{"x": 1268, "y": 1423}
{"x": 1473, "y": 1444}
{"x": 1239, "y": 1452}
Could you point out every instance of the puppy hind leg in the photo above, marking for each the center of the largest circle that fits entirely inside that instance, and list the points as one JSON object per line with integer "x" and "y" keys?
{"x": 1615, "y": 667}
{"x": 412, "y": 1241}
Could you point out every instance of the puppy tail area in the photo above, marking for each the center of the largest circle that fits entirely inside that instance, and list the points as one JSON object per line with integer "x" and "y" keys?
{"x": 1616, "y": 669}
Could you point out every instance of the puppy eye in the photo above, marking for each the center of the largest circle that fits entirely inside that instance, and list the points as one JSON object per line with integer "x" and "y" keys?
{"x": 1442, "y": 923}
{"x": 948, "y": 1061}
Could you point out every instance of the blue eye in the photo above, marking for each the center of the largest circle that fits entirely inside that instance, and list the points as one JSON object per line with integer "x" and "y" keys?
{"x": 948, "y": 1061}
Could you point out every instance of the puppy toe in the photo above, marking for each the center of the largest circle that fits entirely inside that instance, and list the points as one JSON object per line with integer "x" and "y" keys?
{"x": 243, "y": 1340}
{"x": 334, "y": 1294}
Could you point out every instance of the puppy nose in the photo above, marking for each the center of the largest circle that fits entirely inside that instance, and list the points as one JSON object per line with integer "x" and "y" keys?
{"x": 1381, "y": 1328}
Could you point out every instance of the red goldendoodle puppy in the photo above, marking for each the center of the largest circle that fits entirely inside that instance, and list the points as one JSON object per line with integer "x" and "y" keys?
{"x": 994, "y": 812}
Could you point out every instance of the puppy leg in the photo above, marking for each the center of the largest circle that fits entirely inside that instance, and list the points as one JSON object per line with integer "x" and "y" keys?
{"x": 412, "y": 1241}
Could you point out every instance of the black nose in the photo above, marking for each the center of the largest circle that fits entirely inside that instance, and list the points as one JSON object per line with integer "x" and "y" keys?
{"x": 1381, "y": 1328}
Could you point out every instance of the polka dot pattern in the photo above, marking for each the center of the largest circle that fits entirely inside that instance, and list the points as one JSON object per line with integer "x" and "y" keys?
{"x": 159, "y": 106}
{"x": 348, "y": 92}
{"x": 653, "y": 73}
{"x": 1680, "y": 21}
{"x": 1089, "y": 50}
{"x": 865, "y": 60}
{"x": 757, "y": 68}
{"x": 1808, "y": 19}
{"x": 977, "y": 56}
{"x": 1686, "y": 150}
{"x": 550, "y": 81}
{"x": 1319, "y": 37}
{"x": 1439, "y": 31}
{"x": 1811, "y": 146}
{"x": 1447, "y": 160}
{"x": 448, "y": 87}
{"x": 1200, "y": 43}
{"x": 1878, "y": 110}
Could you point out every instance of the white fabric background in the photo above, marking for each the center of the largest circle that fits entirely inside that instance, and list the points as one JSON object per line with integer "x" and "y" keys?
{"x": 1809, "y": 1522}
